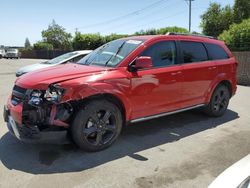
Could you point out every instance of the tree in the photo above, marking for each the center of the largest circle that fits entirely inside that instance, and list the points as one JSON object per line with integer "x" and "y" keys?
{"x": 87, "y": 41}
{"x": 241, "y": 10}
{"x": 57, "y": 36}
{"x": 238, "y": 36}
{"x": 162, "y": 31}
{"x": 41, "y": 45}
{"x": 27, "y": 44}
{"x": 114, "y": 36}
{"x": 216, "y": 19}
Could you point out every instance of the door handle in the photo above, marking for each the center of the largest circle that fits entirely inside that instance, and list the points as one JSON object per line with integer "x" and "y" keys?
{"x": 211, "y": 68}
{"x": 175, "y": 73}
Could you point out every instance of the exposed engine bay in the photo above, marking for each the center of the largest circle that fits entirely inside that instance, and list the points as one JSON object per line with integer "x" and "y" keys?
{"x": 42, "y": 108}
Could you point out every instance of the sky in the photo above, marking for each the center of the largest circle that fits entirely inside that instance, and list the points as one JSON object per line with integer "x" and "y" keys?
{"x": 27, "y": 18}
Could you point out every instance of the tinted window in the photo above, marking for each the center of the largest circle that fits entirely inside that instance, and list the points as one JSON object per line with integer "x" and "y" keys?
{"x": 193, "y": 52}
{"x": 162, "y": 53}
{"x": 216, "y": 52}
{"x": 76, "y": 59}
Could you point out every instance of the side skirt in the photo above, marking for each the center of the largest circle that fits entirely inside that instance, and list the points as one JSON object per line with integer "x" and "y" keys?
{"x": 166, "y": 113}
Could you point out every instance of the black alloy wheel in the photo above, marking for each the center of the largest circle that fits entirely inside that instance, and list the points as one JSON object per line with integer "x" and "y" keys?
{"x": 97, "y": 125}
{"x": 219, "y": 101}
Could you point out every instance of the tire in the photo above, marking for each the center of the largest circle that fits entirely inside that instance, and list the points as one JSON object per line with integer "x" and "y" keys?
{"x": 219, "y": 102}
{"x": 97, "y": 125}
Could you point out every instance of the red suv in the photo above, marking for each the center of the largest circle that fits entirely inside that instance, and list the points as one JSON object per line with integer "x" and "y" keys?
{"x": 122, "y": 82}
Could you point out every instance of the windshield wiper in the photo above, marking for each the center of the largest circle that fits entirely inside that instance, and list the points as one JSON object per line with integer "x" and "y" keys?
{"x": 114, "y": 56}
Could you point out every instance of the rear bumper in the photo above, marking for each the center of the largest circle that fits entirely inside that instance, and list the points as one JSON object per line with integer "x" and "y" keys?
{"x": 32, "y": 134}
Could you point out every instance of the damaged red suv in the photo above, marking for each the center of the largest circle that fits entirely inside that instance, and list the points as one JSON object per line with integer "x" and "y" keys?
{"x": 122, "y": 82}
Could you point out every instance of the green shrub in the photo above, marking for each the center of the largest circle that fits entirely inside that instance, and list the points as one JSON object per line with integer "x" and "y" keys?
{"x": 43, "y": 46}
{"x": 114, "y": 36}
{"x": 162, "y": 31}
{"x": 237, "y": 37}
{"x": 87, "y": 41}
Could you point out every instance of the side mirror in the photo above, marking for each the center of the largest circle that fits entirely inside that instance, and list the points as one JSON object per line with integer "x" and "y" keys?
{"x": 143, "y": 62}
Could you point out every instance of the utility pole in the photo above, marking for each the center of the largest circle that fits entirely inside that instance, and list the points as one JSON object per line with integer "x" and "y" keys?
{"x": 190, "y": 14}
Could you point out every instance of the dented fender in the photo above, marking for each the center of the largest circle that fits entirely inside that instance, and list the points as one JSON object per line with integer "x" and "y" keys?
{"x": 75, "y": 92}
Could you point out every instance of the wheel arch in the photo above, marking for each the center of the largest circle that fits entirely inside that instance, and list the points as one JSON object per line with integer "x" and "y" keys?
{"x": 107, "y": 96}
{"x": 226, "y": 83}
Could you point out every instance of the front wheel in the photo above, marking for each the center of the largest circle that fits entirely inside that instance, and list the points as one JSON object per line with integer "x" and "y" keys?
{"x": 97, "y": 125}
{"x": 219, "y": 101}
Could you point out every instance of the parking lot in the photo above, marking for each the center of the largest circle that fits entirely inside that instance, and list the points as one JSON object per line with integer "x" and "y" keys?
{"x": 182, "y": 150}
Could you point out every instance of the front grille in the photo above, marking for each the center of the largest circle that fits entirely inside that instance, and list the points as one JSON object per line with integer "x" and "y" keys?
{"x": 11, "y": 55}
{"x": 18, "y": 95}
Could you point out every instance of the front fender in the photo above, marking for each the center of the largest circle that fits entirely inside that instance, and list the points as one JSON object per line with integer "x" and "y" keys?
{"x": 96, "y": 88}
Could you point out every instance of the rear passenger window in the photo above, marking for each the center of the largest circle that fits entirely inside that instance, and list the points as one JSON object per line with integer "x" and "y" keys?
{"x": 193, "y": 52}
{"x": 162, "y": 53}
{"x": 216, "y": 52}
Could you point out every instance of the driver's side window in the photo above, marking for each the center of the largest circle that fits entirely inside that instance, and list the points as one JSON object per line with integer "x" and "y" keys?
{"x": 162, "y": 53}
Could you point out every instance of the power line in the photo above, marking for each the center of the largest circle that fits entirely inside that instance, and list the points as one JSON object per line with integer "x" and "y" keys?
{"x": 124, "y": 16}
{"x": 156, "y": 20}
{"x": 142, "y": 18}
{"x": 160, "y": 19}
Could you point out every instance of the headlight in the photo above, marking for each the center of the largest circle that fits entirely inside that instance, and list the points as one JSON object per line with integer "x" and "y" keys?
{"x": 35, "y": 97}
{"x": 36, "y": 93}
{"x": 54, "y": 93}
{"x": 19, "y": 73}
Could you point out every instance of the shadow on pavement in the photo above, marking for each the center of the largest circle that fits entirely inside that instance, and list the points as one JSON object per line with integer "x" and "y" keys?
{"x": 47, "y": 159}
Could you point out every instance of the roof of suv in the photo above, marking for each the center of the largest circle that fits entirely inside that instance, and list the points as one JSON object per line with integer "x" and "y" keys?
{"x": 199, "y": 38}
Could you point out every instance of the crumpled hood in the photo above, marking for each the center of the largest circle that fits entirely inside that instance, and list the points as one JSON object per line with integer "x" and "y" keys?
{"x": 40, "y": 79}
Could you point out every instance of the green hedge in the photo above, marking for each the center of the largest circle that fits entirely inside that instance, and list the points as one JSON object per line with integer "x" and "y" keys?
{"x": 43, "y": 46}
{"x": 237, "y": 37}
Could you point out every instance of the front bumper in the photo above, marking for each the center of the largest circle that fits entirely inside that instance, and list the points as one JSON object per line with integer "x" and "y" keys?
{"x": 12, "y": 55}
{"x": 32, "y": 134}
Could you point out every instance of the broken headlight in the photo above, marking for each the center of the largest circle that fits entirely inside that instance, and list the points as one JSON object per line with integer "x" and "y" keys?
{"x": 35, "y": 97}
{"x": 54, "y": 93}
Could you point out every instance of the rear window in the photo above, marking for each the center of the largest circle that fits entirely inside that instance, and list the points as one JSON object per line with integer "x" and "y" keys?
{"x": 216, "y": 52}
{"x": 193, "y": 52}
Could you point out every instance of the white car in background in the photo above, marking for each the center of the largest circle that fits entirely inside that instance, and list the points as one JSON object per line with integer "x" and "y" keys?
{"x": 62, "y": 59}
{"x": 12, "y": 53}
{"x": 2, "y": 53}
{"x": 236, "y": 176}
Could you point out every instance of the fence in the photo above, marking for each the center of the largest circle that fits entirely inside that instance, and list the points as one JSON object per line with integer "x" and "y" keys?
{"x": 42, "y": 54}
{"x": 243, "y": 72}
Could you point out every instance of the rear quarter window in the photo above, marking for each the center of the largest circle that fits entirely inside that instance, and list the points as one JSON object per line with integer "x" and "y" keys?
{"x": 216, "y": 52}
{"x": 193, "y": 52}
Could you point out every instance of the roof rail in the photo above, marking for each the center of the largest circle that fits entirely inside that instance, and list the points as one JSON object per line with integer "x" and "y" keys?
{"x": 189, "y": 34}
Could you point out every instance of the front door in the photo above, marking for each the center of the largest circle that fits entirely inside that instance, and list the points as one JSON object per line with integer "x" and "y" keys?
{"x": 157, "y": 89}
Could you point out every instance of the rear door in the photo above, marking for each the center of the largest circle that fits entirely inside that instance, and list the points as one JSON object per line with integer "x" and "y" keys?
{"x": 198, "y": 72}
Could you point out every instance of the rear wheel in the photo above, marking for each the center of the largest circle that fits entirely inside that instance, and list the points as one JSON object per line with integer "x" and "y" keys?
{"x": 219, "y": 101}
{"x": 97, "y": 125}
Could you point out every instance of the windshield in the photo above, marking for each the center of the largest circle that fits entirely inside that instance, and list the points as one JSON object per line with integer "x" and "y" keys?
{"x": 12, "y": 50}
{"x": 61, "y": 58}
{"x": 111, "y": 54}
